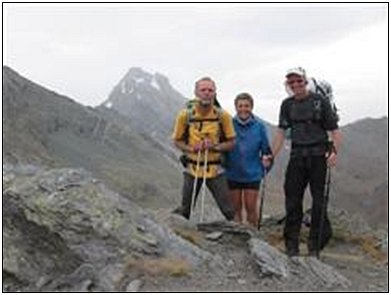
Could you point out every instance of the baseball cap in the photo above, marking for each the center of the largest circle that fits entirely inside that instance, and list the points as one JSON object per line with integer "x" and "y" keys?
{"x": 296, "y": 71}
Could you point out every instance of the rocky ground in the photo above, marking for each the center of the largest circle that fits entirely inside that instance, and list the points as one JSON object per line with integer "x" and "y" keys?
{"x": 252, "y": 264}
{"x": 65, "y": 231}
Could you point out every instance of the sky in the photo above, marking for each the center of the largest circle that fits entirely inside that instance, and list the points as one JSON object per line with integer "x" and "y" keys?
{"x": 83, "y": 50}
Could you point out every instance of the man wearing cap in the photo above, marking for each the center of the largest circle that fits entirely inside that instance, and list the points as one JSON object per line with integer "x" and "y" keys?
{"x": 311, "y": 121}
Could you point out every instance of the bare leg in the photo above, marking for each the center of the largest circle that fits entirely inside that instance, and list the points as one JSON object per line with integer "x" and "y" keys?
{"x": 251, "y": 202}
{"x": 236, "y": 197}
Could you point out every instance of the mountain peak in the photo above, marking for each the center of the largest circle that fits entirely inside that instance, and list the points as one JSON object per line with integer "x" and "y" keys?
{"x": 138, "y": 74}
{"x": 136, "y": 77}
{"x": 146, "y": 97}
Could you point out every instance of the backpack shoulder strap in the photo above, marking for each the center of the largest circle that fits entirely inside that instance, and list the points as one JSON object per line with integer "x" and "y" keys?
{"x": 318, "y": 101}
{"x": 287, "y": 106}
{"x": 219, "y": 111}
{"x": 190, "y": 110}
{"x": 318, "y": 89}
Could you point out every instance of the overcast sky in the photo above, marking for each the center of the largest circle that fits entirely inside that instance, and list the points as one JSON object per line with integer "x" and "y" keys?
{"x": 83, "y": 50}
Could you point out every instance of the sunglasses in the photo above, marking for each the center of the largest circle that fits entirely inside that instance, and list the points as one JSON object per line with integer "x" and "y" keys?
{"x": 298, "y": 81}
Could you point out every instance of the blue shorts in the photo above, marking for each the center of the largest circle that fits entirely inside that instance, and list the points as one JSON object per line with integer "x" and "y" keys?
{"x": 243, "y": 185}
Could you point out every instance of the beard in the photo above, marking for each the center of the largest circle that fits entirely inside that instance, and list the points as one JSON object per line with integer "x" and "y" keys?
{"x": 206, "y": 102}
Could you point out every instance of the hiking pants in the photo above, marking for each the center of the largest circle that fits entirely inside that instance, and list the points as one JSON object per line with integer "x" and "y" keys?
{"x": 300, "y": 172}
{"x": 217, "y": 186}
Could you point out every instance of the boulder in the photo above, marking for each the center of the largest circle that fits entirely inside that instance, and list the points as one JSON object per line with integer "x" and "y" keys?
{"x": 65, "y": 231}
{"x": 305, "y": 273}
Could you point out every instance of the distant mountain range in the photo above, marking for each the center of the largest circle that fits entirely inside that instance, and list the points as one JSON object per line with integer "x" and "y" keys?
{"x": 41, "y": 127}
{"x": 361, "y": 178}
{"x": 125, "y": 142}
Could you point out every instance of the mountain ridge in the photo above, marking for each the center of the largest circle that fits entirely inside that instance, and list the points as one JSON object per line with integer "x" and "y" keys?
{"x": 361, "y": 171}
{"x": 45, "y": 128}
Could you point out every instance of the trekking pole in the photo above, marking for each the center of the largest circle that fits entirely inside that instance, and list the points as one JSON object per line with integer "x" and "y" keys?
{"x": 324, "y": 207}
{"x": 262, "y": 198}
{"x": 204, "y": 185}
{"x": 193, "y": 195}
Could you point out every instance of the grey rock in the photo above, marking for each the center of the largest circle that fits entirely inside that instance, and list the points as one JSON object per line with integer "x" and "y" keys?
{"x": 134, "y": 286}
{"x": 322, "y": 273}
{"x": 306, "y": 271}
{"x": 242, "y": 281}
{"x": 172, "y": 245}
{"x": 229, "y": 227}
{"x": 233, "y": 275}
{"x": 76, "y": 234}
{"x": 270, "y": 261}
{"x": 214, "y": 236}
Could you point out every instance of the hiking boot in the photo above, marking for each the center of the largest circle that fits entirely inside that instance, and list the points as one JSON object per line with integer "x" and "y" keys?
{"x": 313, "y": 253}
{"x": 292, "y": 253}
{"x": 179, "y": 211}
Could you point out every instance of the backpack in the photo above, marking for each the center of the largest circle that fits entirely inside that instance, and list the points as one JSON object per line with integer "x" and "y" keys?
{"x": 190, "y": 110}
{"x": 324, "y": 89}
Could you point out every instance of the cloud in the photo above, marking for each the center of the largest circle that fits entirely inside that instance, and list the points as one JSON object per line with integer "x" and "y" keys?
{"x": 84, "y": 50}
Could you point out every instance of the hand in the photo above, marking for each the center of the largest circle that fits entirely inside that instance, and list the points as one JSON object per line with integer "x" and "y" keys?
{"x": 331, "y": 159}
{"x": 197, "y": 147}
{"x": 267, "y": 160}
{"x": 208, "y": 144}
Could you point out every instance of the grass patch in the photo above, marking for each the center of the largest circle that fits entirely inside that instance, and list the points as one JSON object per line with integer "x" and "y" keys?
{"x": 173, "y": 267}
{"x": 369, "y": 244}
{"x": 191, "y": 235}
{"x": 275, "y": 239}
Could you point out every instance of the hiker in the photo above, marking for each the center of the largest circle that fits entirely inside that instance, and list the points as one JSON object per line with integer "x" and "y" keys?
{"x": 244, "y": 168}
{"x": 311, "y": 120}
{"x": 201, "y": 131}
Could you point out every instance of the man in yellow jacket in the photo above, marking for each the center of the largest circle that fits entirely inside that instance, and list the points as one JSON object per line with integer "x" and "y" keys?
{"x": 204, "y": 130}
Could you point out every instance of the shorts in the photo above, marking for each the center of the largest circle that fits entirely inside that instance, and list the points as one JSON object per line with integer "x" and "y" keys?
{"x": 243, "y": 185}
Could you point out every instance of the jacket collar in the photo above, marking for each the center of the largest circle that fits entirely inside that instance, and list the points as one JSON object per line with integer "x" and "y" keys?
{"x": 248, "y": 122}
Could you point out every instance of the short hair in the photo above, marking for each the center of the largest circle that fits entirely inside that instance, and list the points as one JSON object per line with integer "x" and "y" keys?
{"x": 204, "y": 79}
{"x": 244, "y": 96}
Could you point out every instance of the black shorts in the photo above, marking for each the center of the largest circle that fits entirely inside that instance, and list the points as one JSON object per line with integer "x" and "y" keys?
{"x": 243, "y": 185}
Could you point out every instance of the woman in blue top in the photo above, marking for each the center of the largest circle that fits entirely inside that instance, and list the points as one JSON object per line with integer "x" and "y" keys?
{"x": 244, "y": 168}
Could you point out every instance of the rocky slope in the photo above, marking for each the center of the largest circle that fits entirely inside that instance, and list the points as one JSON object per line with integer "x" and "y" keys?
{"x": 361, "y": 178}
{"x": 66, "y": 231}
{"x": 48, "y": 129}
{"x": 70, "y": 230}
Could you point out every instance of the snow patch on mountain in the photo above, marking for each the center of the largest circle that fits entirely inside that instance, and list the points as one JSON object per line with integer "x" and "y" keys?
{"x": 139, "y": 80}
{"x": 155, "y": 84}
